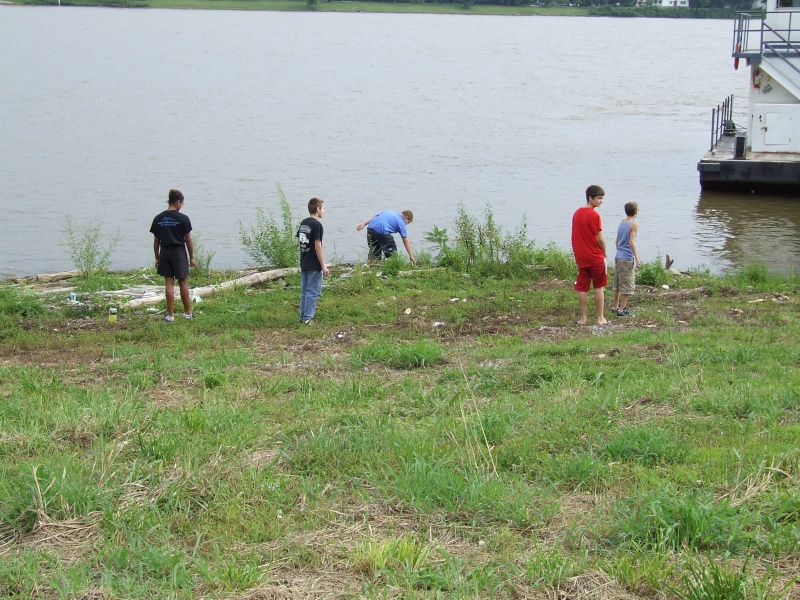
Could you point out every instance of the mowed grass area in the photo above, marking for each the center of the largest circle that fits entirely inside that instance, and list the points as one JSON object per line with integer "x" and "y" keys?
{"x": 431, "y": 435}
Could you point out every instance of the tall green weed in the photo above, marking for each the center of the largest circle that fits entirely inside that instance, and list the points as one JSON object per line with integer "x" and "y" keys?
{"x": 87, "y": 248}
{"x": 271, "y": 243}
{"x": 483, "y": 248}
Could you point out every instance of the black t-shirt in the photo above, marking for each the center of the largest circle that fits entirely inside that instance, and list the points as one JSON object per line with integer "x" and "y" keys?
{"x": 310, "y": 230}
{"x": 171, "y": 227}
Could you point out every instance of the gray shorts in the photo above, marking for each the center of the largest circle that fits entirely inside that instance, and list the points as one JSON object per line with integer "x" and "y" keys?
{"x": 624, "y": 276}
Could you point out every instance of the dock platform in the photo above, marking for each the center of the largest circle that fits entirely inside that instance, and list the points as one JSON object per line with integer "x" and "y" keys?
{"x": 720, "y": 169}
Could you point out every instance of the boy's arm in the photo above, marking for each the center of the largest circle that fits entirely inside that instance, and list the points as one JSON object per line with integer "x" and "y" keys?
{"x": 407, "y": 244}
{"x": 190, "y": 248}
{"x": 634, "y": 229}
{"x": 156, "y": 246}
{"x": 320, "y": 258}
{"x": 363, "y": 224}
{"x": 601, "y": 241}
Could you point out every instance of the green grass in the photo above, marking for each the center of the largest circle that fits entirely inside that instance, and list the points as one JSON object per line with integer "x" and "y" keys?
{"x": 434, "y": 434}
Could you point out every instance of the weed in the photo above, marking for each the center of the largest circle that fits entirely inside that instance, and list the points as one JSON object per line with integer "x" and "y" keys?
{"x": 653, "y": 273}
{"x": 87, "y": 249}
{"x": 482, "y": 248}
{"x": 202, "y": 257}
{"x": 20, "y": 303}
{"x": 707, "y": 580}
{"x": 647, "y": 445}
{"x": 270, "y": 243}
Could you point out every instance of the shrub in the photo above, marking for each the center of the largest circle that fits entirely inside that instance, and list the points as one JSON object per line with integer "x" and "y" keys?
{"x": 20, "y": 303}
{"x": 202, "y": 257}
{"x": 270, "y": 243}
{"x": 653, "y": 273}
{"x": 483, "y": 248}
{"x": 86, "y": 248}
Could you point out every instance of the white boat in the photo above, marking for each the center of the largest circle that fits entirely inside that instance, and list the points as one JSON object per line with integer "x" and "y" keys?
{"x": 763, "y": 154}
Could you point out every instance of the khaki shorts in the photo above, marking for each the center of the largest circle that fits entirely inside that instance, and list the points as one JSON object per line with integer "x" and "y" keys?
{"x": 624, "y": 276}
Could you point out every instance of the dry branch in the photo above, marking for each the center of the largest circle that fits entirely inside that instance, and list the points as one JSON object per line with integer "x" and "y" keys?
{"x": 208, "y": 290}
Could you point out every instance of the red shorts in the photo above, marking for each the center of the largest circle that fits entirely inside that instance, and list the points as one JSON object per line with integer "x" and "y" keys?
{"x": 595, "y": 275}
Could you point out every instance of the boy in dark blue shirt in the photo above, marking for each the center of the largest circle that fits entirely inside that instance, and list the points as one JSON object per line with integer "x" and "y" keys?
{"x": 312, "y": 261}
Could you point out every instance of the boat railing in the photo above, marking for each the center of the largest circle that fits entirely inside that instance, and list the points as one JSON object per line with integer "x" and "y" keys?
{"x": 782, "y": 47}
{"x": 722, "y": 121}
{"x": 754, "y": 36}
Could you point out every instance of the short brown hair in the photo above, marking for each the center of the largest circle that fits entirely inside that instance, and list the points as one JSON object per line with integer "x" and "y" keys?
{"x": 631, "y": 208}
{"x": 408, "y": 215}
{"x": 175, "y": 196}
{"x": 313, "y": 205}
{"x": 593, "y": 191}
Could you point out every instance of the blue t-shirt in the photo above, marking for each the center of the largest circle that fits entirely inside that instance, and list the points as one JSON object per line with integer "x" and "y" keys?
{"x": 388, "y": 222}
{"x": 624, "y": 250}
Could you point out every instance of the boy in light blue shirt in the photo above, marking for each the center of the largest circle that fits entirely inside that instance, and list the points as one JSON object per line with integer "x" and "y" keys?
{"x": 380, "y": 227}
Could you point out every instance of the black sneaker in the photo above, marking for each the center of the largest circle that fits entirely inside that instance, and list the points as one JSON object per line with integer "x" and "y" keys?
{"x": 623, "y": 313}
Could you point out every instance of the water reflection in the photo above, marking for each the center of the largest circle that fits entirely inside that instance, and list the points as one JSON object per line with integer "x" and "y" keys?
{"x": 740, "y": 229}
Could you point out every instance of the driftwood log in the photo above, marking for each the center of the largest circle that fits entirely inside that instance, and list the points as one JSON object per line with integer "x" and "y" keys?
{"x": 57, "y": 276}
{"x": 208, "y": 290}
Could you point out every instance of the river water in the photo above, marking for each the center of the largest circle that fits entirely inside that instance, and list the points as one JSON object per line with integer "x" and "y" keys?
{"x": 104, "y": 110}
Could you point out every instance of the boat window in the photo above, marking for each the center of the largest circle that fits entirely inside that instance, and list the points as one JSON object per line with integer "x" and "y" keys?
{"x": 788, "y": 3}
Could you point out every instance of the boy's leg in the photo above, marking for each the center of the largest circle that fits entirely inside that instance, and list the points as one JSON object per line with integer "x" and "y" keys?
{"x": 313, "y": 292}
{"x": 615, "y": 302}
{"x": 169, "y": 292}
{"x": 582, "y": 284}
{"x": 183, "y": 284}
{"x": 388, "y": 246}
{"x": 373, "y": 247}
{"x": 627, "y": 283}
{"x": 303, "y": 287}
{"x": 599, "y": 305}
{"x": 599, "y": 282}
{"x": 583, "y": 301}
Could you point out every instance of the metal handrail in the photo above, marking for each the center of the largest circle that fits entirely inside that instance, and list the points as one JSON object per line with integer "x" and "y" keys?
{"x": 786, "y": 43}
{"x": 744, "y": 27}
{"x": 722, "y": 121}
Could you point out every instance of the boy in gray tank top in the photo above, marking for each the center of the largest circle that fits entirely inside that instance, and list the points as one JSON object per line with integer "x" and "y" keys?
{"x": 626, "y": 257}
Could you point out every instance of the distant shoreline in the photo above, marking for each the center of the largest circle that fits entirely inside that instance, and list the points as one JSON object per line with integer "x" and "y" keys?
{"x": 357, "y": 6}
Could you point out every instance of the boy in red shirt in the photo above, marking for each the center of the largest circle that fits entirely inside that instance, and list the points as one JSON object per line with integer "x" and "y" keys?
{"x": 589, "y": 248}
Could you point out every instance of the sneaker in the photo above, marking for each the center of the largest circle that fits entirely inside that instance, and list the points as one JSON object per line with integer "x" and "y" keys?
{"x": 623, "y": 313}
{"x": 614, "y": 310}
{"x": 307, "y": 322}
{"x": 169, "y": 319}
{"x": 189, "y": 316}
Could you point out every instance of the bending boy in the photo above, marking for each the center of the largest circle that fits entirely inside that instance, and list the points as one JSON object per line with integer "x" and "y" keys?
{"x": 380, "y": 230}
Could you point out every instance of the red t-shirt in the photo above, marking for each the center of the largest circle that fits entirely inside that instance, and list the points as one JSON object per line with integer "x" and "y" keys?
{"x": 586, "y": 225}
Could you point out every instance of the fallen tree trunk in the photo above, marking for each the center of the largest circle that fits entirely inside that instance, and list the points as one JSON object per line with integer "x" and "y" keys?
{"x": 57, "y": 276}
{"x": 208, "y": 290}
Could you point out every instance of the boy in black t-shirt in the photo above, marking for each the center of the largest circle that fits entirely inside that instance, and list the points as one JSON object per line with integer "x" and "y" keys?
{"x": 172, "y": 237}
{"x": 312, "y": 262}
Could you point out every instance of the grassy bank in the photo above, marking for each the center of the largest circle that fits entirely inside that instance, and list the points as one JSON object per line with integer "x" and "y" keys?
{"x": 435, "y": 433}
